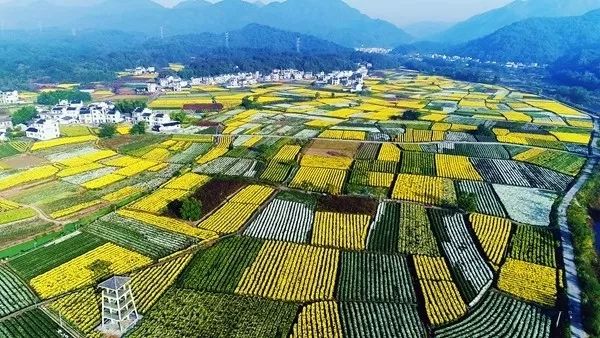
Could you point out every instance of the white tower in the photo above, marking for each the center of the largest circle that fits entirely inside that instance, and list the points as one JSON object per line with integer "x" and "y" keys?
{"x": 118, "y": 307}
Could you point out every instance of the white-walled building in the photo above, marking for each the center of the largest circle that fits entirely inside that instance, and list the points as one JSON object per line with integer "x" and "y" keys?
{"x": 11, "y": 97}
{"x": 43, "y": 129}
{"x": 99, "y": 113}
{"x": 150, "y": 117}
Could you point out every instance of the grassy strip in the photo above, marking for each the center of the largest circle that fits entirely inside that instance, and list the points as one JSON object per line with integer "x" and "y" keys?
{"x": 586, "y": 257}
{"x": 14, "y": 215}
{"x": 67, "y": 229}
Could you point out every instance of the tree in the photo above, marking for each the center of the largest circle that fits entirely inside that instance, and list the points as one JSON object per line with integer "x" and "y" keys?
{"x": 52, "y": 98}
{"x": 410, "y": 115}
{"x": 100, "y": 269}
{"x": 180, "y": 116}
{"x": 138, "y": 128}
{"x": 317, "y": 95}
{"x": 467, "y": 201}
{"x": 23, "y": 115}
{"x": 191, "y": 209}
{"x": 128, "y": 106}
{"x": 107, "y": 130}
{"x": 247, "y": 103}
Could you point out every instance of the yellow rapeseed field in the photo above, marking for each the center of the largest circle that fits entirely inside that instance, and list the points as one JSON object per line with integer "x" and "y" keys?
{"x": 291, "y": 272}
{"x": 345, "y": 231}
{"x": 532, "y": 282}
{"x": 77, "y": 273}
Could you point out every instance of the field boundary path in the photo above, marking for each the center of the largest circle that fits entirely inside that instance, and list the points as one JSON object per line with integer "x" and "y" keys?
{"x": 572, "y": 278}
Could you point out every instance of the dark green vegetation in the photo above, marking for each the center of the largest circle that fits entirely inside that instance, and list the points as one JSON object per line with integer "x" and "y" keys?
{"x": 220, "y": 268}
{"x": 145, "y": 239}
{"x": 586, "y": 256}
{"x": 374, "y": 277}
{"x": 54, "y": 97}
{"x": 14, "y": 294}
{"x": 49, "y": 257}
{"x": 253, "y": 48}
{"x": 23, "y": 115}
{"x": 498, "y": 315}
{"x": 34, "y": 324}
{"x": 107, "y": 130}
{"x": 535, "y": 245}
{"x": 186, "y": 313}
{"x": 380, "y": 320}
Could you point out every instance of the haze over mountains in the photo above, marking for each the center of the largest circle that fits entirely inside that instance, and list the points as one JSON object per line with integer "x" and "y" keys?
{"x": 329, "y": 19}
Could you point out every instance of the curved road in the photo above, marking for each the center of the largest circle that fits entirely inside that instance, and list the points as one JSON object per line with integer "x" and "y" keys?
{"x": 573, "y": 288}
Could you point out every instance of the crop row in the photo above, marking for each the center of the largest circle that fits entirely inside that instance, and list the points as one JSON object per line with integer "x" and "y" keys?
{"x": 283, "y": 221}
{"x": 150, "y": 241}
{"x": 14, "y": 294}
{"x": 472, "y": 273}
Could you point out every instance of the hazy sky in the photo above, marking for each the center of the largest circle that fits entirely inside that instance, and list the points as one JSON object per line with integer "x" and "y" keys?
{"x": 402, "y": 12}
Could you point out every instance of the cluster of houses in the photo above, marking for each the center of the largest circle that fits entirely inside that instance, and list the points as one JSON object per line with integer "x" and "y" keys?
{"x": 10, "y": 97}
{"x": 46, "y": 126}
{"x": 350, "y": 80}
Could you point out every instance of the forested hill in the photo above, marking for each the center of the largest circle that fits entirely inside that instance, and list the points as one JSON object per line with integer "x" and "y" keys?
{"x": 55, "y": 56}
{"x": 542, "y": 40}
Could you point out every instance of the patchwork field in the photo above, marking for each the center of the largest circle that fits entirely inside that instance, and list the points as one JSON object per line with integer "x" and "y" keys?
{"x": 330, "y": 215}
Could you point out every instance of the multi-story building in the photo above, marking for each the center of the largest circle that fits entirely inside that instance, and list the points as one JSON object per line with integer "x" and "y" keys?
{"x": 11, "y": 97}
{"x": 43, "y": 129}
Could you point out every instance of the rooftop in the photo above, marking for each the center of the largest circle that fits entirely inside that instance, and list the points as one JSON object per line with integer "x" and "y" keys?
{"x": 114, "y": 283}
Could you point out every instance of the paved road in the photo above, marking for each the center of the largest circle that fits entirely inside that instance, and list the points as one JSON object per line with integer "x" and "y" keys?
{"x": 573, "y": 287}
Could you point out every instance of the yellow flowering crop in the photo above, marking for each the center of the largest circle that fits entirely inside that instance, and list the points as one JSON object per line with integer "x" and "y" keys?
{"x": 320, "y": 319}
{"x": 78, "y": 170}
{"x": 389, "y": 152}
{"x": 516, "y": 116}
{"x": 572, "y": 137}
{"x": 441, "y": 126}
{"x": 121, "y": 194}
{"x": 424, "y": 189}
{"x": 493, "y": 233}
{"x": 344, "y": 135}
{"x": 229, "y": 218}
{"x": 526, "y": 156}
{"x": 287, "y": 153}
{"x": 158, "y": 200}
{"x": 456, "y": 167}
{"x": 291, "y": 272}
{"x": 253, "y": 194}
{"x": 74, "y": 209}
{"x": 168, "y": 224}
{"x": 319, "y": 179}
{"x": 157, "y": 154}
{"x": 213, "y": 154}
{"x": 30, "y": 175}
{"x": 443, "y": 302}
{"x": 62, "y": 141}
{"x": 103, "y": 181}
{"x": 77, "y": 273}
{"x": 149, "y": 284}
{"x": 532, "y": 282}
{"x": 187, "y": 181}
{"x": 331, "y": 162}
{"x": 82, "y": 309}
{"x": 121, "y": 161}
{"x": 345, "y": 231}
{"x": 134, "y": 169}
{"x": 252, "y": 141}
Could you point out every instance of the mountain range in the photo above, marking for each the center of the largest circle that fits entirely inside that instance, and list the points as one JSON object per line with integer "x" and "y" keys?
{"x": 333, "y": 20}
{"x": 542, "y": 40}
{"x": 491, "y": 21}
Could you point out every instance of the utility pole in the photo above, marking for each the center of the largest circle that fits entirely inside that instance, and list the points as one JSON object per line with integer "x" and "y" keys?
{"x": 227, "y": 40}
{"x": 298, "y": 45}
{"x": 162, "y": 33}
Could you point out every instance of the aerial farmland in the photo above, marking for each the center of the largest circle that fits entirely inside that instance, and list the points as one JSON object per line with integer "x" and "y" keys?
{"x": 422, "y": 207}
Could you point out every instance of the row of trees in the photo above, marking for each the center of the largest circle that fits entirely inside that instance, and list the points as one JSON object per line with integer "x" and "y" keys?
{"x": 54, "y": 97}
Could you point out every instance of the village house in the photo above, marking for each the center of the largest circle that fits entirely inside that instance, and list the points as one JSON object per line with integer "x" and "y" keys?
{"x": 43, "y": 129}
{"x": 11, "y": 97}
{"x": 150, "y": 117}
